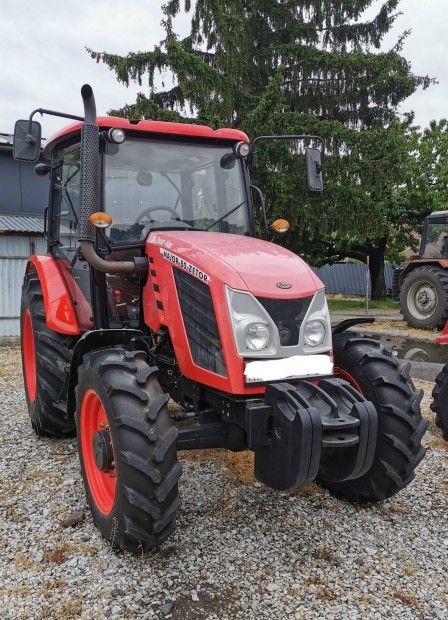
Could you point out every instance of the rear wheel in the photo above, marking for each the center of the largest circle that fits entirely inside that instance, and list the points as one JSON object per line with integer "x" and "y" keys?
{"x": 382, "y": 379}
{"x": 424, "y": 298}
{"x": 127, "y": 449}
{"x": 46, "y": 356}
{"x": 440, "y": 402}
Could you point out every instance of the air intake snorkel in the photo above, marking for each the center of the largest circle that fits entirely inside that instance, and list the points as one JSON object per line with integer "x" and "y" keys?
{"x": 89, "y": 191}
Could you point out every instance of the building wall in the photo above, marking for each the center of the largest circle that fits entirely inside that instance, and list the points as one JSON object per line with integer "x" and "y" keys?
{"x": 14, "y": 251}
{"x": 22, "y": 191}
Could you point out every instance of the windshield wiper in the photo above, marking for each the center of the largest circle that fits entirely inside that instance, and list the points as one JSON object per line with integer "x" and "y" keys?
{"x": 225, "y": 215}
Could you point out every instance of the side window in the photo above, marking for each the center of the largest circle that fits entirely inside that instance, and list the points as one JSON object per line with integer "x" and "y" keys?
{"x": 65, "y": 201}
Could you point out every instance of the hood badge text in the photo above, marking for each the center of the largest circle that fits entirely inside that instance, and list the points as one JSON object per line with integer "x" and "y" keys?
{"x": 284, "y": 285}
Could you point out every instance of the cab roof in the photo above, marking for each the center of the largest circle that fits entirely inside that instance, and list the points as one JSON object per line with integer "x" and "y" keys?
{"x": 157, "y": 127}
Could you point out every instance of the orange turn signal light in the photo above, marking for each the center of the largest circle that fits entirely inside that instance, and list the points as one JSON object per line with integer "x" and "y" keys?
{"x": 280, "y": 226}
{"x": 100, "y": 220}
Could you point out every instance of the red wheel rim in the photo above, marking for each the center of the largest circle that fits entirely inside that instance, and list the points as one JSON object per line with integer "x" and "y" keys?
{"x": 342, "y": 374}
{"x": 29, "y": 356}
{"x": 102, "y": 484}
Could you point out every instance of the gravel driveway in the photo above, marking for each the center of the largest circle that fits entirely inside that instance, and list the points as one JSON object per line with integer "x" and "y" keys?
{"x": 240, "y": 550}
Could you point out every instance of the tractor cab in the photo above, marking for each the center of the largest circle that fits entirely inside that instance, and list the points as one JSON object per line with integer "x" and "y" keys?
{"x": 434, "y": 241}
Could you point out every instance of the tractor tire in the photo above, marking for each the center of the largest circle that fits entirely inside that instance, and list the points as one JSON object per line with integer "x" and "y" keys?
{"x": 382, "y": 379}
{"x": 440, "y": 402}
{"x": 127, "y": 449}
{"x": 46, "y": 356}
{"x": 424, "y": 298}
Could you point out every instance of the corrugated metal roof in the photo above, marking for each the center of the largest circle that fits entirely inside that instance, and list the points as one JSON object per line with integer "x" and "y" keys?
{"x": 20, "y": 223}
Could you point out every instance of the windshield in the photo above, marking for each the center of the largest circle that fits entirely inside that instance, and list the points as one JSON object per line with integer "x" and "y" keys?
{"x": 435, "y": 243}
{"x": 154, "y": 184}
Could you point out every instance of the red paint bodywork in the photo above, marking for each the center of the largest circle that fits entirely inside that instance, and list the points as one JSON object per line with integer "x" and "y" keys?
{"x": 155, "y": 127}
{"x": 59, "y": 311}
{"x": 422, "y": 262}
{"x": 443, "y": 337}
{"x": 242, "y": 263}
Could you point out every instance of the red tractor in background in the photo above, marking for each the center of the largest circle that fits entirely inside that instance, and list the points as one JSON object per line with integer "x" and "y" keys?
{"x": 423, "y": 283}
{"x": 422, "y": 287}
{"x": 154, "y": 288}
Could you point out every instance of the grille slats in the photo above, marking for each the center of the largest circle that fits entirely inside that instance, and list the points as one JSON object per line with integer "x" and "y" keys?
{"x": 288, "y": 315}
{"x": 199, "y": 318}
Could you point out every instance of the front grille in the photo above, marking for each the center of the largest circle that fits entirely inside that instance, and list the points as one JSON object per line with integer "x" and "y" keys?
{"x": 288, "y": 315}
{"x": 199, "y": 318}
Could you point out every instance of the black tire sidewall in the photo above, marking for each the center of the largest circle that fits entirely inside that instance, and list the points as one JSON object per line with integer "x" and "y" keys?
{"x": 440, "y": 402}
{"x": 46, "y": 419}
{"x": 384, "y": 381}
{"x": 144, "y": 442}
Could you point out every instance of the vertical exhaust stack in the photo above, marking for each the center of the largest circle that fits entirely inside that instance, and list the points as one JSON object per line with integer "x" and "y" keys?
{"x": 90, "y": 140}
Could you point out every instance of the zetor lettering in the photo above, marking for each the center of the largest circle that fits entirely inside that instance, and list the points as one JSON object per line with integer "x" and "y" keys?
{"x": 183, "y": 264}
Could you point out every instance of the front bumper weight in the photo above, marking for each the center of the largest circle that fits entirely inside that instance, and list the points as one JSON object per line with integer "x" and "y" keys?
{"x": 328, "y": 431}
{"x": 292, "y": 457}
{"x": 349, "y": 428}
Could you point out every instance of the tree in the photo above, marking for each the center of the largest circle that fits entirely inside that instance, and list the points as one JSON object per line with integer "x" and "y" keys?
{"x": 284, "y": 66}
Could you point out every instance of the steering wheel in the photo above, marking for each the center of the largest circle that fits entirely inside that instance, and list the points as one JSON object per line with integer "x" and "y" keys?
{"x": 147, "y": 212}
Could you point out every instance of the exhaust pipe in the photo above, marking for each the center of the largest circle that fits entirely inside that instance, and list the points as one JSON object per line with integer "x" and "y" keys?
{"x": 90, "y": 138}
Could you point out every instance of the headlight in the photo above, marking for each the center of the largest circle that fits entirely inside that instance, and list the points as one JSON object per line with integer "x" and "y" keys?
{"x": 257, "y": 336}
{"x": 314, "y": 333}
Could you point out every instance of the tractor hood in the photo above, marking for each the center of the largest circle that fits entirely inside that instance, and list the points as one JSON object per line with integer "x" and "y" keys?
{"x": 244, "y": 263}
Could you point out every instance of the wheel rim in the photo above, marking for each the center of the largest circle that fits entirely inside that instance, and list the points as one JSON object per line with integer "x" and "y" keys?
{"x": 342, "y": 374}
{"x": 422, "y": 299}
{"x": 102, "y": 484}
{"x": 29, "y": 356}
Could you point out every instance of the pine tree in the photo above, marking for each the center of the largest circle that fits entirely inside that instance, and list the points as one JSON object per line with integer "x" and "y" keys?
{"x": 288, "y": 67}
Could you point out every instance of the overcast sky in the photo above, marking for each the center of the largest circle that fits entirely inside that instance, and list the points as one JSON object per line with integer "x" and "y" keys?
{"x": 44, "y": 62}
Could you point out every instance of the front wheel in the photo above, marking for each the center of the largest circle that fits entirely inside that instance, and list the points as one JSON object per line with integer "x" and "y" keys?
{"x": 440, "y": 402}
{"x": 382, "y": 379}
{"x": 127, "y": 449}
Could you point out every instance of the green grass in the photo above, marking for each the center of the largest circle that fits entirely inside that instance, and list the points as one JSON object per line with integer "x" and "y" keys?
{"x": 355, "y": 304}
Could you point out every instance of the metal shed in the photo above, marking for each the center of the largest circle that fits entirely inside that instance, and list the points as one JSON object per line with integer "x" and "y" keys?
{"x": 20, "y": 237}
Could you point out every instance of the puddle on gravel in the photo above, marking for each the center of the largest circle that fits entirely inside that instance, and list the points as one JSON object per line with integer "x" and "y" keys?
{"x": 415, "y": 350}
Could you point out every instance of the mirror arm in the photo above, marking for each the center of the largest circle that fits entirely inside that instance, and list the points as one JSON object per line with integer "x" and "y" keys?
{"x": 253, "y": 155}
{"x": 42, "y": 111}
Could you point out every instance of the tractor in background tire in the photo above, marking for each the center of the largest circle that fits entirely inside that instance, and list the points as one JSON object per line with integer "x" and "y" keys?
{"x": 423, "y": 283}
{"x": 155, "y": 287}
{"x": 440, "y": 401}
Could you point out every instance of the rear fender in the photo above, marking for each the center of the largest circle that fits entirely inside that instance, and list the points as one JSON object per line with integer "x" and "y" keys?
{"x": 59, "y": 312}
{"x": 422, "y": 262}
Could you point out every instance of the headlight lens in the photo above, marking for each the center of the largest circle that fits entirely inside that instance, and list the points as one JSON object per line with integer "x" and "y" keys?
{"x": 257, "y": 336}
{"x": 314, "y": 333}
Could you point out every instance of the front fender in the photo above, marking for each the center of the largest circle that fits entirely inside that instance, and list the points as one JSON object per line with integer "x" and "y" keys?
{"x": 60, "y": 315}
{"x": 342, "y": 326}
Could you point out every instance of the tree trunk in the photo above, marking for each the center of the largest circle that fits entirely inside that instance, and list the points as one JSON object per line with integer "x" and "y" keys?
{"x": 376, "y": 265}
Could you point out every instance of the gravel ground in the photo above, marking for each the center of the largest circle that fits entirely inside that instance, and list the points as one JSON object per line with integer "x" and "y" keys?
{"x": 240, "y": 550}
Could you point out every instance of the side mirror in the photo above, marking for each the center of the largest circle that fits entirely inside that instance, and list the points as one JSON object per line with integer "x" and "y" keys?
{"x": 313, "y": 158}
{"x": 27, "y": 138}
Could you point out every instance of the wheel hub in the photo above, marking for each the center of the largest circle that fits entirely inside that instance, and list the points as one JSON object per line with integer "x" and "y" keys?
{"x": 102, "y": 450}
{"x": 426, "y": 299}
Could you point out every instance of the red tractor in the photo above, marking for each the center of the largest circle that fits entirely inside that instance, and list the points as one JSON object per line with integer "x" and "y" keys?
{"x": 154, "y": 288}
{"x": 423, "y": 283}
